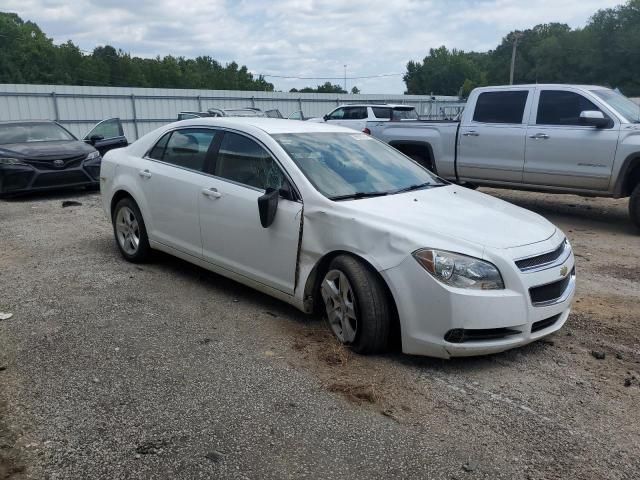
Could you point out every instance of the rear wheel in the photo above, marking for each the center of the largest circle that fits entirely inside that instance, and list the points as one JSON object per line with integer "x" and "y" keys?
{"x": 130, "y": 232}
{"x": 634, "y": 206}
{"x": 356, "y": 305}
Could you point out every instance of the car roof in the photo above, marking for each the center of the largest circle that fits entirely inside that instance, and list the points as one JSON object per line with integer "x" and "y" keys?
{"x": 384, "y": 105}
{"x": 547, "y": 85}
{"x": 266, "y": 124}
{"x": 8, "y": 122}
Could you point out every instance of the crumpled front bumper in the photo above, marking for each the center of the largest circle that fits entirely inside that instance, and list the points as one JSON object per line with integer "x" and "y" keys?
{"x": 441, "y": 321}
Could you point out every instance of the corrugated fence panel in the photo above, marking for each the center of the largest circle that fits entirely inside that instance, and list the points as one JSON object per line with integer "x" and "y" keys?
{"x": 144, "y": 109}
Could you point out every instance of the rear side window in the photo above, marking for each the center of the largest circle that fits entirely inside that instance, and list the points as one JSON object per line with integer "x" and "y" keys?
{"x": 380, "y": 112}
{"x": 500, "y": 107}
{"x": 557, "y": 107}
{"x": 243, "y": 160}
{"x": 186, "y": 148}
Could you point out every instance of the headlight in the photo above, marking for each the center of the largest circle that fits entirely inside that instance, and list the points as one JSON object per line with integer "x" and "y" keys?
{"x": 11, "y": 161}
{"x": 93, "y": 155}
{"x": 460, "y": 270}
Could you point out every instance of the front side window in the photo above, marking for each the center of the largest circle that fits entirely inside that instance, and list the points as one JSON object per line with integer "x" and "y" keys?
{"x": 244, "y": 161}
{"x": 111, "y": 128}
{"x": 400, "y": 113}
{"x": 186, "y": 148}
{"x": 337, "y": 114}
{"x": 344, "y": 164}
{"x": 557, "y": 107}
{"x": 32, "y": 132}
{"x": 501, "y": 107}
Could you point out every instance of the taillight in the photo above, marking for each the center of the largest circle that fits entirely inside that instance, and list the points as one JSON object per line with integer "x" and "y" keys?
{"x": 366, "y": 130}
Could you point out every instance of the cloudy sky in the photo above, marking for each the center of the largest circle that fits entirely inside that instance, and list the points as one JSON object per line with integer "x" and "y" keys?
{"x": 305, "y": 38}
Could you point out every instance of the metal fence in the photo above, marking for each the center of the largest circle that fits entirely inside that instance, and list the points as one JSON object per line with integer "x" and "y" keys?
{"x": 143, "y": 109}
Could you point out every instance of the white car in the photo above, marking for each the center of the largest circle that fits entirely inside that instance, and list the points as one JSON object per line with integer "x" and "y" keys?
{"x": 328, "y": 219}
{"x": 358, "y": 116}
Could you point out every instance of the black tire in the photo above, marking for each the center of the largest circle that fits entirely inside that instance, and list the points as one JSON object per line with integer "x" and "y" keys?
{"x": 634, "y": 206}
{"x": 143, "y": 250}
{"x": 371, "y": 305}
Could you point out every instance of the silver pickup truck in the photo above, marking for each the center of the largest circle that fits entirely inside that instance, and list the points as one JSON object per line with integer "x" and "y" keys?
{"x": 556, "y": 138}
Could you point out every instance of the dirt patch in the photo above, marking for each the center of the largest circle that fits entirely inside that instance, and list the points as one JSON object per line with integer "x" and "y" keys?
{"x": 356, "y": 393}
{"x": 10, "y": 464}
{"x": 626, "y": 273}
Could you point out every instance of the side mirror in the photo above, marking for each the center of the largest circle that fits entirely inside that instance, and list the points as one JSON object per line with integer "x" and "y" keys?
{"x": 595, "y": 118}
{"x": 93, "y": 139}
{"x": 268, "y": 206}
{"x": 325, "y": 118}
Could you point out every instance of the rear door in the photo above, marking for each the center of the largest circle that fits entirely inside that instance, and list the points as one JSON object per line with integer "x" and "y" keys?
{"x": 172, "y": 182}
{"x": 560, "y": 150}
{"x": 491, "y": 144}
{"x": 107, "y": 135}
{"x": 350, "y": 117}
{"x": 232, "y": 235}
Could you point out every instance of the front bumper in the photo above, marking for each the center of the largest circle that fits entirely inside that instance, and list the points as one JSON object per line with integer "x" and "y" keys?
{"x": 16, "y": 179}
{"x": 441, "y": 321}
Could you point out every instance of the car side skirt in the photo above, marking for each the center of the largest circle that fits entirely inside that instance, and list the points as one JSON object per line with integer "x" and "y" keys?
{"x": 261, "y": 287}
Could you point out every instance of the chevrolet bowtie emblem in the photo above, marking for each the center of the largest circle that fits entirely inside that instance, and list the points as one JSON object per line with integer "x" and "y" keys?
{"x": 564, "y": 270}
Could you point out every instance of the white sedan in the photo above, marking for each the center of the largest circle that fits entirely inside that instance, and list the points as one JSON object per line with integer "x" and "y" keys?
{"x": 334, "y": 221}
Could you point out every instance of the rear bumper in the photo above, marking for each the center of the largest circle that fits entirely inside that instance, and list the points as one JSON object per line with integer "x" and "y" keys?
{"x": 16, "y": 179}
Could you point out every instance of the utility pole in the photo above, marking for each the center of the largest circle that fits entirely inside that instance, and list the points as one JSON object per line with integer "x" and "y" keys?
{"x": 345, "y": 78}
{"x": 516, "y": 37}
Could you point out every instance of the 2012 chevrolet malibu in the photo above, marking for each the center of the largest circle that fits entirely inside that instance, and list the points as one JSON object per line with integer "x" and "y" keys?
{"x": 336, "y": 222}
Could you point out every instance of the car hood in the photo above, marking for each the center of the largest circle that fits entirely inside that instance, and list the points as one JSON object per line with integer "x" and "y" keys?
{"x": 455, "y": 212}
{"x": 60, "y": 149}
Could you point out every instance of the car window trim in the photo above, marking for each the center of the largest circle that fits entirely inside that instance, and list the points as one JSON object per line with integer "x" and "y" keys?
{"x": 284, "y": 171}
{"x": 571, "y": 126}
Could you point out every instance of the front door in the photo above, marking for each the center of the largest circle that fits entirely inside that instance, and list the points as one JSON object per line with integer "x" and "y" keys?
{"x": 491, "y": 145}
{"x": 172, "y": 181}
{"x": 107, "y": 135}
{"x": 232, "y": 235}
{"x": 561, "y": 151}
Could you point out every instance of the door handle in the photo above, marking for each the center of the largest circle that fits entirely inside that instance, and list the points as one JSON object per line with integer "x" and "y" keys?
{"x": 471, "y": 133}
{"x": 211, "y": 192}
{"x": 144, "y": 173}
{"x": 539, "y": 136}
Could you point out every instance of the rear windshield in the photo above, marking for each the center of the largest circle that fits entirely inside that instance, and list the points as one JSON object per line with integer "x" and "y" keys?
{"x": 400, "y": 113}
{"x": 32, "y": 132}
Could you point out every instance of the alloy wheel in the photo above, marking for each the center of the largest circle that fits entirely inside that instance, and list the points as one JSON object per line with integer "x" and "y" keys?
{"x": 127, "y": 230}
{"x": 339, "y": 302}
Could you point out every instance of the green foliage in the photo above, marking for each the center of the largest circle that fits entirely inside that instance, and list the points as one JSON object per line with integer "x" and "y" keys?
{"x": 28, "y": 56}
{"x": 326, "y": 87}
{"x": 605, "y": 52}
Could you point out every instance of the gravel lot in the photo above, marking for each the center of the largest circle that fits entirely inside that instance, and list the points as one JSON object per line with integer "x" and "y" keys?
{"x": 110, "y": 370}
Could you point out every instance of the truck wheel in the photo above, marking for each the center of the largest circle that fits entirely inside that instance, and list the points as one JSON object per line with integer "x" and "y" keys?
{"x": 356, "y": 305}
{"x": 634, "y": 206}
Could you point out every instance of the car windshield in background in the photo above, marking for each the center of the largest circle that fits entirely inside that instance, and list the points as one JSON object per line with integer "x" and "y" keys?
{"x": 32, "y": 132}
{"x": 354, "y": 165}
{"x": 624, "y": 106}
{"x": 405, "y": 114}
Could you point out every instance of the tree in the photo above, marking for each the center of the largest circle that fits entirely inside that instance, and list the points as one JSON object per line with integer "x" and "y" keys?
{"x": 27, "y": 55}
{"x": 326, "y": 87}
{"x": 355, "y": 90}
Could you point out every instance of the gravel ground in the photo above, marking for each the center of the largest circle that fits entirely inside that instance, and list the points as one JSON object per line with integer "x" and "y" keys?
{"x": 111, "y": 370}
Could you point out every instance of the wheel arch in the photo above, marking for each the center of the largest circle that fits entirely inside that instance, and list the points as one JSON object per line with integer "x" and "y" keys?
{"x": 416, "y": 146}
{"x": 119, "y": 195}
{"x": 312, "y": 298}
{"x": 629, "y": 175}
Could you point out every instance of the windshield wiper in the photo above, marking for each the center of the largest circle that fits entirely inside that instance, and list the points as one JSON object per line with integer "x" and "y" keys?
{"x": 358, "y": 195}
{"x": 418, "y": 186}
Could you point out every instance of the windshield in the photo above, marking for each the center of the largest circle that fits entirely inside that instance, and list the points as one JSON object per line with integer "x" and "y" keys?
{"x": 405, "y": 114}
{"x": 625, "y": 107}
{"x": 345, "y": 164}
{"x": 32, "y": 132}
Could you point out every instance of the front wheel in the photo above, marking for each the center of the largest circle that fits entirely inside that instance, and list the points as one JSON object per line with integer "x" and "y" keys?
{"x": 634, "y": 206}
{"x": 356, "y": 305}
{"x": 130, "y": 231}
